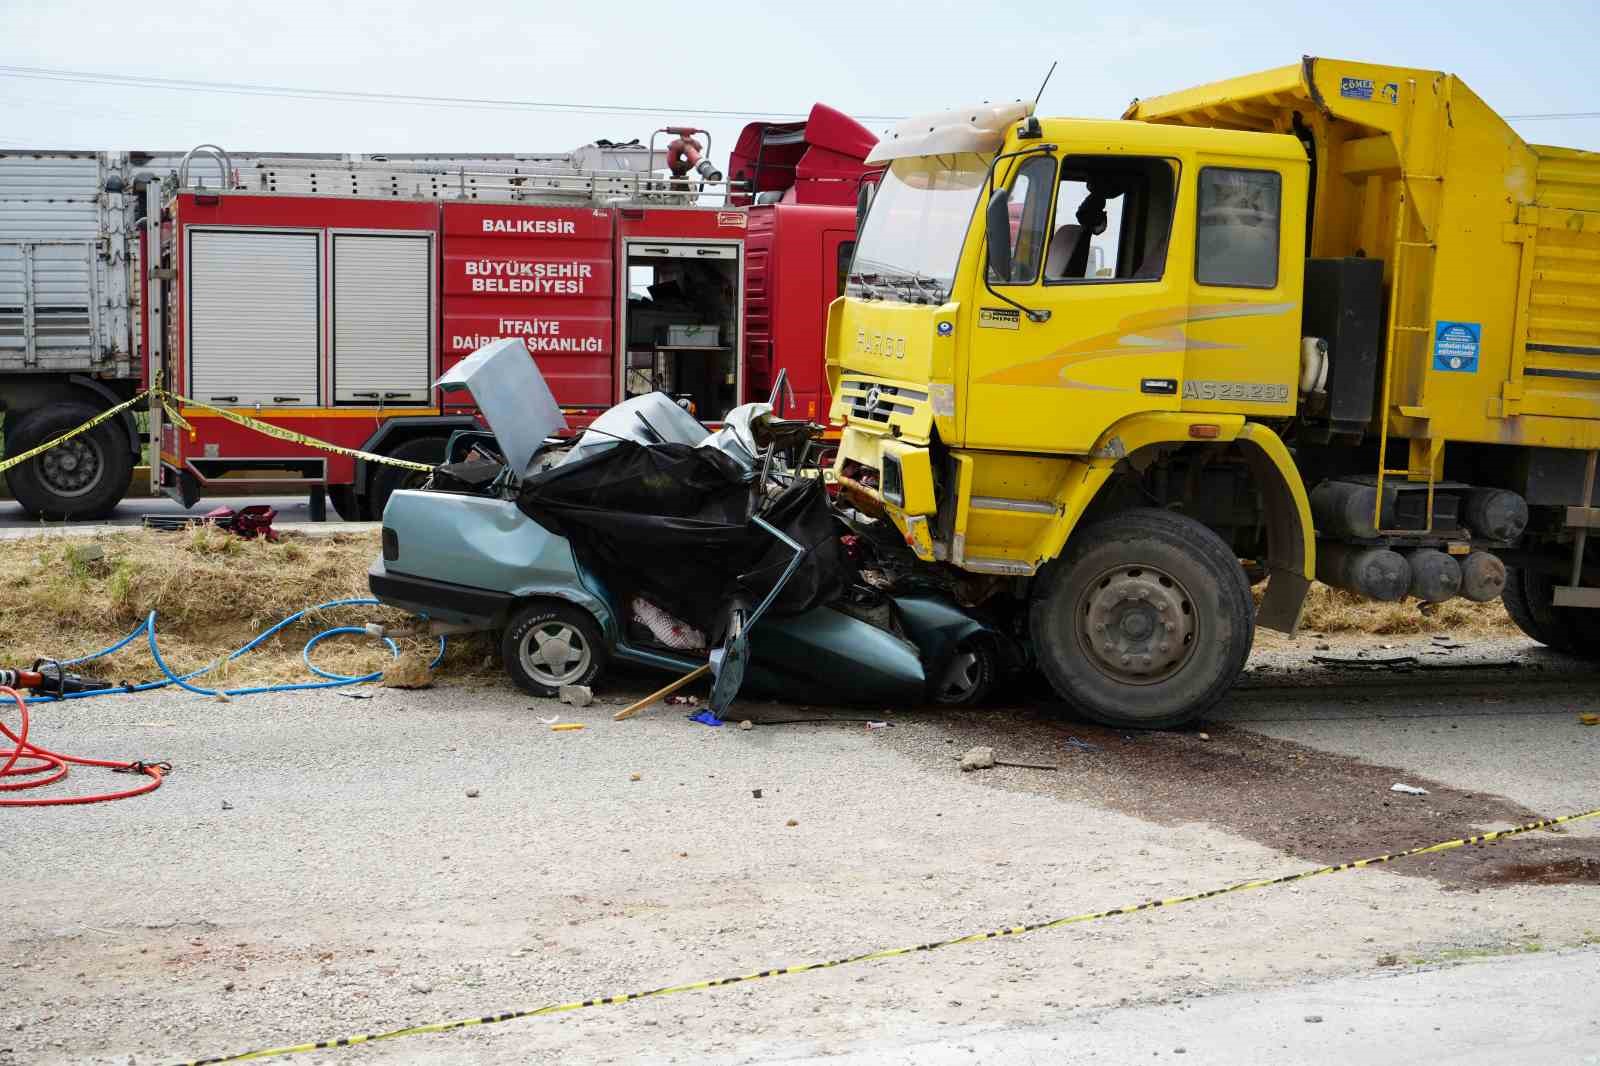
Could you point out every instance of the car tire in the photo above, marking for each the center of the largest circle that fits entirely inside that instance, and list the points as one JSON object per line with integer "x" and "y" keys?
{"x": 387, "y": 480}
{"x": 1145, "y": 621}
{"x": 85, "y": 477}
{"x": 968, "y": 676}
{"x": 547, "y": 645}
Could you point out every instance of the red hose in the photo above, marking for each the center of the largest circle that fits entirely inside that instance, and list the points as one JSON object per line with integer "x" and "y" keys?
{"x": 43, "y": 762}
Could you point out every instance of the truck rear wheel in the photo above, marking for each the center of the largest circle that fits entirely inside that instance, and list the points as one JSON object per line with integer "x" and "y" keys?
{"x": 387, "y": 479}
{"x": 1145, "y": 621}
{"x": 85, "y": 477}
{"x": 1528, "y": 596}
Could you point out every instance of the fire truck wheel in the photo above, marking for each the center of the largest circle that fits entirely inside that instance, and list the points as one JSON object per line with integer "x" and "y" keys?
{"x": 344, "y": 501}
{"x": 548, "y": 644}
{"x": 387, "y": 479}
{"x": 1145, "y": 620}
{"x": 85, "y": 477}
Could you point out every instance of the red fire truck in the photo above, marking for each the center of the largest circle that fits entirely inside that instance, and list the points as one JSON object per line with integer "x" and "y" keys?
{"x": 327, "y": 299}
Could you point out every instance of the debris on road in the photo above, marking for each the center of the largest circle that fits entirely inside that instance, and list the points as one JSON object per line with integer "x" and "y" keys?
{"x": 410, "y": 671}
{"x": 1409, "y": 790}
{"x": 1589, "y": 719}
{"x": 747, "y": 725}
{"x": 472, "y": 793}
{"x": 979, "y": 758}
{"x": 634, "y": 777}
{"x": 1027, "y": 765}
{"x": 1393, "y": 662}
{"x": 566, "y": 727}
{"x": 1084, "y": 745}
{"x": 576, "y": 695}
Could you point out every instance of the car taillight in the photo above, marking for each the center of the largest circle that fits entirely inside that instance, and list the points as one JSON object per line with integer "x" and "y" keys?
{"x": 391, "y": 545}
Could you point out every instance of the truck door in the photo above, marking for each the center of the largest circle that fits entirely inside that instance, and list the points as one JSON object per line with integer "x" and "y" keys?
{"x": 1097, "y": 243}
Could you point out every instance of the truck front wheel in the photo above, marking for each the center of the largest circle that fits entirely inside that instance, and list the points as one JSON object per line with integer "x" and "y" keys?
{"x": 85, "y": 477}
{"x": 1145, "y": 621}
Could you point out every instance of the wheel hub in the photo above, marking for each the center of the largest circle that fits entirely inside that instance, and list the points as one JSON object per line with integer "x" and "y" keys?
{"x": 71, "y": 468}
{"x": 1137, "y": 623}
{"x": 555, "y": 653}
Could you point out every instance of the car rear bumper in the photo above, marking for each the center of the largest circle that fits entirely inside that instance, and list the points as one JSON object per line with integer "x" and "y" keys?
{"x": 439, "y": 600}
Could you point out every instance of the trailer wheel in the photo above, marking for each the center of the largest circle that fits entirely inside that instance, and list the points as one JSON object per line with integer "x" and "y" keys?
{"x": 547, "y": 645}
{"x": 1145, "y": 620}
{"x": 386, "y": 480}
{"x": 85, "y": 477}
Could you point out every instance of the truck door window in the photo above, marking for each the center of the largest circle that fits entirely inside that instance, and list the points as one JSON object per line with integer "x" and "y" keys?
{"x": 1030, "y": 218}
{"x": 847, "y": 251}
{"x": 1236, "y": 239}
{"x": 1112, "y": 221}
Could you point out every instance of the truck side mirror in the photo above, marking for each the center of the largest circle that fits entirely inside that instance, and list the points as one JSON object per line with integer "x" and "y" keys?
{"x": 999, "y": 234}
{"x": 863, "y": 201}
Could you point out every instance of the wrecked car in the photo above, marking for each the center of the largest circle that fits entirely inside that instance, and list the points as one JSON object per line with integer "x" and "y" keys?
{"x": 654, "y": 541}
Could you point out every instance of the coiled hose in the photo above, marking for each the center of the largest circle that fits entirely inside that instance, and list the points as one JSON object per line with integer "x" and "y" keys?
{"x": 35, "y": 761}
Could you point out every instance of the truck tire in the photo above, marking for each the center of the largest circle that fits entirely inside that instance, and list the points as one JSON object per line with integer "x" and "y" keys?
{"x": 345, "y": 502}
{"x": 1527, "y": 600}
{"x": 387, "y": 479}
{"x": 1145, "y": 621}
{"x": 549, "y": 644}
{"x": 85, "y": 477}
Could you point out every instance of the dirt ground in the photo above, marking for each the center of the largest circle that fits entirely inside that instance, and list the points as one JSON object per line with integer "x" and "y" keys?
{"x": 318, "y": 867}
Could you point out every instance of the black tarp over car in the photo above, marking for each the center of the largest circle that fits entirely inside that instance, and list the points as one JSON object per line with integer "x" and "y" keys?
{"x": 671, "y": 522}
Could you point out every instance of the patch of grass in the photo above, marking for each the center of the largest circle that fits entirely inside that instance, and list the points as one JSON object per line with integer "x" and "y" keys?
{"x": 1330, "y": 610}
{"x": 212, "y": 592}
{"x": 1532, "y": 947}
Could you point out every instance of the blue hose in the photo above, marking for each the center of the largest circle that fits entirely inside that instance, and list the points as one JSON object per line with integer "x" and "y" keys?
{"x": 147, "y": 628}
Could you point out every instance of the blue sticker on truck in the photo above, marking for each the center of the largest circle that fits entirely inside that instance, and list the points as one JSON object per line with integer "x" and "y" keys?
{"x": 1365, "y": 89}
{"x": 1455, "y": 346}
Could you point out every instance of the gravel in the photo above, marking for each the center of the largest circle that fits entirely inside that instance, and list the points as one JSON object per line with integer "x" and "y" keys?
{"x": 355, "y": 887}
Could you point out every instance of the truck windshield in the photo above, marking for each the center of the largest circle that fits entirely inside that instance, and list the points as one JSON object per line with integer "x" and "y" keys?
{"x": 911, "y": 240}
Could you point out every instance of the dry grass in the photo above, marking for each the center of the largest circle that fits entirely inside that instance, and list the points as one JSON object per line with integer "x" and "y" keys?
{"x": 1332, "y": 611}
{"x": 211, "y": 591}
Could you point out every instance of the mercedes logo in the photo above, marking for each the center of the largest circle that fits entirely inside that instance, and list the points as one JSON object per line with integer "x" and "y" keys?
{"x": 874, "y": 398}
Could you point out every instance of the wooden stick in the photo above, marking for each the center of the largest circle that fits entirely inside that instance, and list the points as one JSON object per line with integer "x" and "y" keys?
{"x": 662, "y": 693}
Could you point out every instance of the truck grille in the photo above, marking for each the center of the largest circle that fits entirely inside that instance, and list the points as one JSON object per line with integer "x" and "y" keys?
{"x": 868, "y": 400}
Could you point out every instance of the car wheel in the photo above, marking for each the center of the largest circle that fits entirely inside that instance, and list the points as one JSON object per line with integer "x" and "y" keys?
{"x": 547, "y": 645}
{"x": 968, "y": 675}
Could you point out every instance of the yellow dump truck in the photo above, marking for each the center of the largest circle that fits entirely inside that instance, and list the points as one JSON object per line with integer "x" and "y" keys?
{"x": 1333, "y": 320}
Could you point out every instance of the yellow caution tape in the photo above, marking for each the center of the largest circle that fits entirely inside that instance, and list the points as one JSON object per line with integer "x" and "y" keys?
{"x": 109, "y": 413}
{"x": 889, "y": 953}
{"x": 290, "y": 435}
{"x": 169, "y": 398}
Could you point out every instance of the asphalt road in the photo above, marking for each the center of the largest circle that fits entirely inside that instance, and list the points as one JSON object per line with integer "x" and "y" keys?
{"x": 319, "y": 866}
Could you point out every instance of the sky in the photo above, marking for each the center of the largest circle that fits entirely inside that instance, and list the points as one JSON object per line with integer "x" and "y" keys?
{"x": 880, "y": 59}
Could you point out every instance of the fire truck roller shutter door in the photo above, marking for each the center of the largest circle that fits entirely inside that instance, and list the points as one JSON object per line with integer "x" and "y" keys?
{"x": 254, "y": 307}
{"x": 382, "y": 319}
